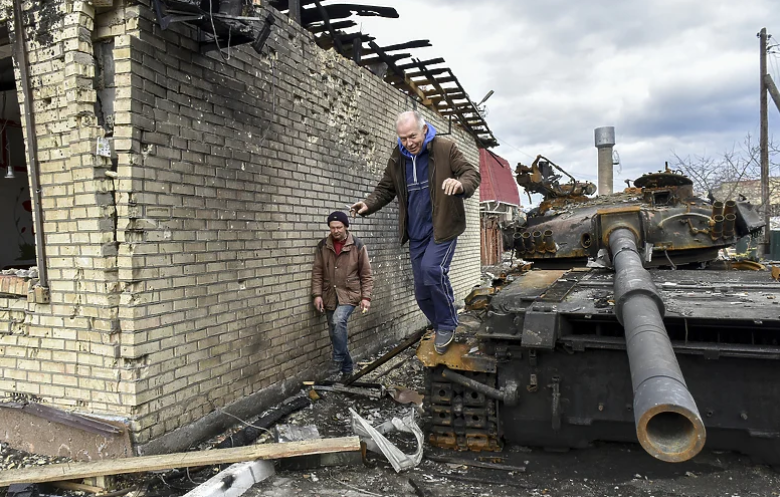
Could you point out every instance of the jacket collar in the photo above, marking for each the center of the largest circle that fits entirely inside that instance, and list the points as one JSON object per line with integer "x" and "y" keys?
{"x": 350, "y": 241}
{"x": 397, "y": 152}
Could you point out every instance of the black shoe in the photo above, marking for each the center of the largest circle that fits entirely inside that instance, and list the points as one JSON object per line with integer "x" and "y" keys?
{"x": 442, "y": 340}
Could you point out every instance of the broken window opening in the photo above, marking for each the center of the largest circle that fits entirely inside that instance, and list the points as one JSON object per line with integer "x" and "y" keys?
{"x": 17, "y": 247}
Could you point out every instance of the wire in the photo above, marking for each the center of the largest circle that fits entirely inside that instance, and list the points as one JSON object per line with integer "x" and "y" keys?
{"x": 504, "y": 142}
{"x": 214, "y": 34}
{"x": 244, "y": 422}
{"x": 666, "y": 253}
{"x": 773, "y": 62}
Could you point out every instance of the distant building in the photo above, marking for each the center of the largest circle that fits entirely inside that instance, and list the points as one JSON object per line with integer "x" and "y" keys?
{"x": 751, "y": 190}
{"x": 498, "y": 191}
{"x": 499, "y": 202}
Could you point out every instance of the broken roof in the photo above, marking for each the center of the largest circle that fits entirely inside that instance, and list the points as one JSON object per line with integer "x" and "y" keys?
{"x": 427, "y": 81}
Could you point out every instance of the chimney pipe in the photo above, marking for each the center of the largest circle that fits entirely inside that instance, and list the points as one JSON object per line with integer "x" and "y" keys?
{"x": 605, "y": 140}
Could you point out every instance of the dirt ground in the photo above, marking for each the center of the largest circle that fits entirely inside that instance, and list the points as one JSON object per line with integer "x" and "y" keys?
{"x": 617, "y": 470}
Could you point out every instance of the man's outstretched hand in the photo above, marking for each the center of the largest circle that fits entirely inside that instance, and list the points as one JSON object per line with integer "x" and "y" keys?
{"x": 451, "y": 186}
{"x": 358, "y": 208}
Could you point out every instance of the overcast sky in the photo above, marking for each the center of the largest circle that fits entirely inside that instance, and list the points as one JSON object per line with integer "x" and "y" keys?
{"x": 673, "y": 76}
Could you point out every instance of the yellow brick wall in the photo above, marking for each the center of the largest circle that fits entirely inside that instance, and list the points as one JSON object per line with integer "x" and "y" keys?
{"x": 67, "y": 353}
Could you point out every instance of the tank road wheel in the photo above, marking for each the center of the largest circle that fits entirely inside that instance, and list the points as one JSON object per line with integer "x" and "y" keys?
{"x": 459, "y": 418}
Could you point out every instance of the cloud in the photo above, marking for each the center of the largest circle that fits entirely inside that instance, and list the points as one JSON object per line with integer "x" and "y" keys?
{"x": 672, "y": 76}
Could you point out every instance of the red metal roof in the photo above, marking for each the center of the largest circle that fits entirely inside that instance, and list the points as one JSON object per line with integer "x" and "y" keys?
{"x": 498, "y": 182}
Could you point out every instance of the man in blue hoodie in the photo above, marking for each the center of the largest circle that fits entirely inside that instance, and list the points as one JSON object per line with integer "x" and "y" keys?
{"x": 430, "y": 177}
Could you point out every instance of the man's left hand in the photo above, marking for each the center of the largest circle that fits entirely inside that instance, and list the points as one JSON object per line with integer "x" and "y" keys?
{"x": 365, "y": 305}
{"x": 451, "y": 186}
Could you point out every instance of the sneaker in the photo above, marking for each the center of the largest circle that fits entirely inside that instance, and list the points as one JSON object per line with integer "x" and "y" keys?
{"x": 335, "y": 368}
{"x": 341, "y": 377}
{"x": 442, "y": 340}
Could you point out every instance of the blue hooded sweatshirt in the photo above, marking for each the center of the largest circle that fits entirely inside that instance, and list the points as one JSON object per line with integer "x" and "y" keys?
{"x": 419, "y": 223}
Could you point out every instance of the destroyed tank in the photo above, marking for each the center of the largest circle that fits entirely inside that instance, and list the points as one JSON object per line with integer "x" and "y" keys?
{"x": 618, "y": 323}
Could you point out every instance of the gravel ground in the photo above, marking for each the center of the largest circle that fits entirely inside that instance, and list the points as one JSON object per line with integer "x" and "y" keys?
{"x": 614, "y": 470}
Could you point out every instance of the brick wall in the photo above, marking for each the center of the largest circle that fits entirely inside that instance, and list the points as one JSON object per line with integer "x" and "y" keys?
{"x": 66, "y": 352}
{"x": 180, "y": 270}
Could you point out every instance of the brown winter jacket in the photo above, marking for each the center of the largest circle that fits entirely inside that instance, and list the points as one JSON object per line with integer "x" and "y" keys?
{"x": 343, "y": 279}
{"x": 444, "y": 161}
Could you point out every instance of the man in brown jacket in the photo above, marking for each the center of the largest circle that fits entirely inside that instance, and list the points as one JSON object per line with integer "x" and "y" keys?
{"x": 341, "y": 280}
{"x": 431, "y": 178}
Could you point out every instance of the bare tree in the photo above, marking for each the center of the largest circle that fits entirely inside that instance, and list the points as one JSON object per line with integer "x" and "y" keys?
{"x": 734, "y": 172}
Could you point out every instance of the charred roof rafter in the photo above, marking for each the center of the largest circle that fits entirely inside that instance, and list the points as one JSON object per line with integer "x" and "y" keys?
{"x": 222, "y": 25}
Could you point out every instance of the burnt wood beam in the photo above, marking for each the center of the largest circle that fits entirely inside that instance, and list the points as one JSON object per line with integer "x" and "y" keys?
{"x": 429, "y": 73}
{"x": 428, "y": 62}
{"x": 326, "y": 20}
{"x": 335, "y": 25}
{"x": 461, "y": 119}
{"x": 345, "y": 10}
{"x": 374, "y": 60}
{"x": 285, "y": 4}
{"x": 407, "y": 45}
{"x": 357, "y": 48}
{"x": 385, "y": 58}
{"x": 294, "y": 11}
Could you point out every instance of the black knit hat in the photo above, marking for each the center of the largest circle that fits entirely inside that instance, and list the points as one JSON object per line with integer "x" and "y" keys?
{"x": 339, "y": 216}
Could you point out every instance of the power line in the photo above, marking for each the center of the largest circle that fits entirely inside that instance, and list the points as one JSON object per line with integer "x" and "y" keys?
{"x": 504, "y": 142}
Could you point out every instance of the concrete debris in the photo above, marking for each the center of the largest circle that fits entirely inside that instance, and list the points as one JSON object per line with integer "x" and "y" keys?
{"x": 22, "y": 273}
{"x": 405, "y": 396}
{"x": 293, "y": 433}
{"x": 23, "y": 490}
{"x": 234, "y": 481}
{"x": 376, "y": 442}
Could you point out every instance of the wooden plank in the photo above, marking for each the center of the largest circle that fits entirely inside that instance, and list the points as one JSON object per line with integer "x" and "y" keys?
{"x": 78, "y": 487}
{"x": 77, "y": 471}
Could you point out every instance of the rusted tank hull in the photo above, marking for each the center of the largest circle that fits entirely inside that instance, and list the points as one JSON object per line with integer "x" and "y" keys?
{"x": 595, "y": 402}
{"x": 555, "y": 334}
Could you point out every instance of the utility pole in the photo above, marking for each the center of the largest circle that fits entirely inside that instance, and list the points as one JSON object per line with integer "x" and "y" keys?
{"x": 764, "y": 144}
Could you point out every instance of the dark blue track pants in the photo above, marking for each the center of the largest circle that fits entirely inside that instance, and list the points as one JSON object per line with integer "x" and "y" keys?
{"x": 431, "y": 267}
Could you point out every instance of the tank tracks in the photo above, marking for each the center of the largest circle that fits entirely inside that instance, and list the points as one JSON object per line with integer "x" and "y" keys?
{"x": 459, "y": 418}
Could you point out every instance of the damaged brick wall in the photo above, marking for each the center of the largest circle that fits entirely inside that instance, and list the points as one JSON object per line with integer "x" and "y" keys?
{"x": 180, "y": 266}
{"x": 242, "y": 160}
{"x": 67, "y": 352}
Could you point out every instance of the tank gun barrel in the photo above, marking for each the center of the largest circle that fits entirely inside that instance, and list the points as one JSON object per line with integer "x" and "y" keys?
{"x": 668, "y": 424}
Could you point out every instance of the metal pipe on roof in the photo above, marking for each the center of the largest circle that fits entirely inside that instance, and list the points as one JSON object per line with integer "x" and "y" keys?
{"x": 605, "y": 140}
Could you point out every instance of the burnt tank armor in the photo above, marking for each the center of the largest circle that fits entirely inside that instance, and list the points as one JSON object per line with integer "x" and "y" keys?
{"x": 619, "y": 323}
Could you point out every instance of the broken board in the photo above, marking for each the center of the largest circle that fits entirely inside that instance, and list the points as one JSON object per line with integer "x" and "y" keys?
{"x": 74, "y": 471}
